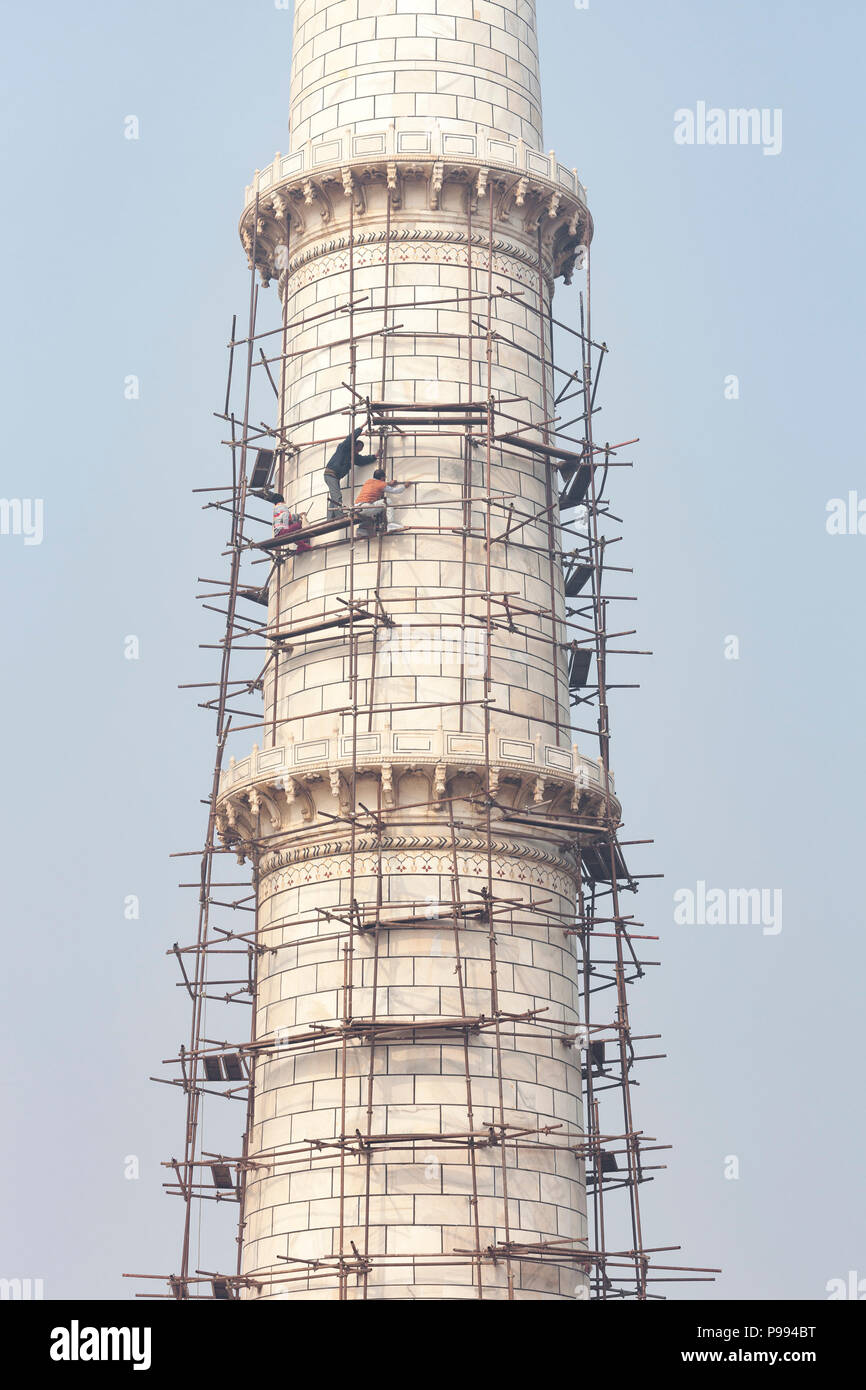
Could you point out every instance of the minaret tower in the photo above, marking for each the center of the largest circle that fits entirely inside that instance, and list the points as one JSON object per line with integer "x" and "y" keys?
{"x": 416, "y": 1118}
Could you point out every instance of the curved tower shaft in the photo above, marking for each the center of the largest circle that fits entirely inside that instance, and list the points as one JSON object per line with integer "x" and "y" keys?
{"x": 411, "y": 809}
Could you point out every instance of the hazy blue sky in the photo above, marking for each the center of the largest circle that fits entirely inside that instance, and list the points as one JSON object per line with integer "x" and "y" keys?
{"x": 121, "y": 258}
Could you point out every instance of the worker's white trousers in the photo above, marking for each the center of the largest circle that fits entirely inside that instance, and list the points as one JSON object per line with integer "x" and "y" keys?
{"x": 374, "y": 509}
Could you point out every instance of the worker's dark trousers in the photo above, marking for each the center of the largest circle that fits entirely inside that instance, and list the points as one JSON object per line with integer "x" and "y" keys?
{"x": 335, "y": 493}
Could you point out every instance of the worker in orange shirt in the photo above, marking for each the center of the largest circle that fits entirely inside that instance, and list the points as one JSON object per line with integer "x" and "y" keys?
{"x": 374, "y": 498}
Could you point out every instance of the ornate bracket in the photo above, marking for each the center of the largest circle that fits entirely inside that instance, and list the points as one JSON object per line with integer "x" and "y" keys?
{"x": 395, "y": 187}
{"x": 388, "y": 785}
{"x": 339, "y": 791}
{"x": 437, "y": 179}
{"x": 440, "y": 784}
{"x": 315, "y": 194}
{"x": 353, "y": 189}
{"x": 479, "y": 188}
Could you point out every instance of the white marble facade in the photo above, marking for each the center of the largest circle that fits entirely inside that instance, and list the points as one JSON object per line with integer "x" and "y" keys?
{"x": 452, "y": 65}
{"x": 464, "y": 63}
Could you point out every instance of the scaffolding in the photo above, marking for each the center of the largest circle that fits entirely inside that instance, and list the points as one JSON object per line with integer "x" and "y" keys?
{"x": 218, "y": 968}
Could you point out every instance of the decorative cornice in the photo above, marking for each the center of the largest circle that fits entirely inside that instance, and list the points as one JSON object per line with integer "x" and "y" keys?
{"x": 370, "y": 844}
{"x": 446, "y": 236}
{"x": 305, "y": 205}
{"x": 549, "y": 802}
{"x": 479, "y": 149}
{"x": 405, "y": 749}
